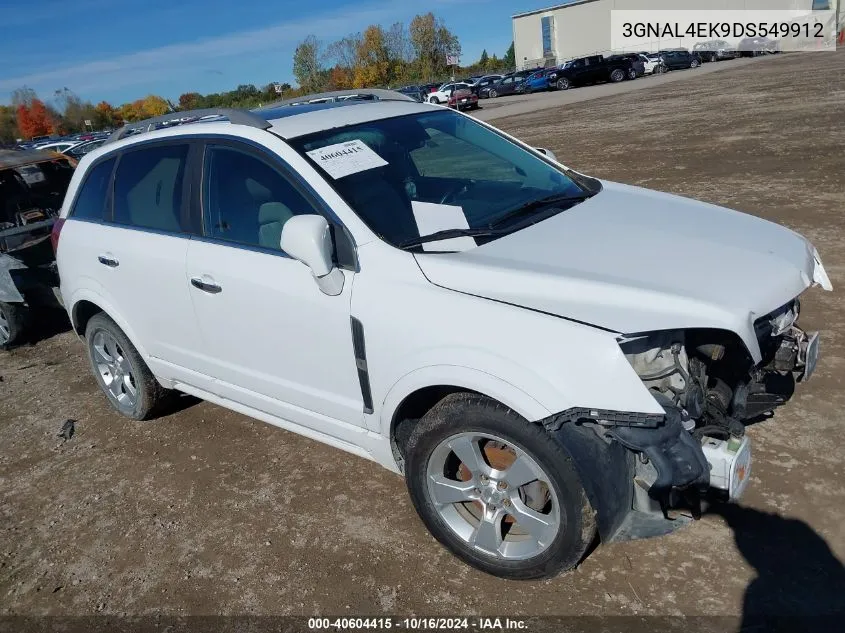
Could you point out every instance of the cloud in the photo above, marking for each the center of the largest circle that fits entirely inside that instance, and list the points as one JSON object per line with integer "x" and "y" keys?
{"x": 179, "y": 59}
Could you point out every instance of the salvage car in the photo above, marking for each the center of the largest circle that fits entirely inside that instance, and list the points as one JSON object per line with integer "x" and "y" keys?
{"x": 421, "y": 289}
{"x": 32, "y": 187}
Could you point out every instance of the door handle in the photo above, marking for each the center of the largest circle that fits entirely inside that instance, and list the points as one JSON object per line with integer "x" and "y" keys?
{"x": 210, "y": 288}
{"x": 108, "y": 261}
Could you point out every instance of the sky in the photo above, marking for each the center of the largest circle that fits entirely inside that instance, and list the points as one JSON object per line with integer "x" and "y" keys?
{"x": 101, "y": 49}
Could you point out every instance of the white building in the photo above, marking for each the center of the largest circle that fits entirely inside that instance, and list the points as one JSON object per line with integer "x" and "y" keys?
{"x": 583, "y": 27}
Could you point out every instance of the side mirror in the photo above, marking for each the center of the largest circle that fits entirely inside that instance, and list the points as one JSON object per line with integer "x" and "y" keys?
{"x": 547, "y": 152}
{"x": 307, "y": 238}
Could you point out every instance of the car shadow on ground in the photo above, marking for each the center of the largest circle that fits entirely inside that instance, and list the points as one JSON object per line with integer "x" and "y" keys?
{"x": 800, "y": 584}
{"x": 45, "y": 323}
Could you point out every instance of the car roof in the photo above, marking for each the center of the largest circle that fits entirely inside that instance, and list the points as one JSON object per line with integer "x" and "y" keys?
{"x": 287, "y": 121}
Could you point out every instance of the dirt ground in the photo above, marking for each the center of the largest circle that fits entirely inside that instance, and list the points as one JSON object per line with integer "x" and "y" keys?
{"x": 208, "y": 512}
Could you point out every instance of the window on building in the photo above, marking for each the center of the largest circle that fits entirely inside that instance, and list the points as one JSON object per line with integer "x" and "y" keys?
{"x": 547, "y": 25}
{"x": 821, "y": 5}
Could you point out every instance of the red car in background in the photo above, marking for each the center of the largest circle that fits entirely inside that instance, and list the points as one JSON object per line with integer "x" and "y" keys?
{"x": 463, "y": 99}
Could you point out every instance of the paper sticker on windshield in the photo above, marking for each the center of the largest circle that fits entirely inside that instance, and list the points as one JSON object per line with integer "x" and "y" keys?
{"x": 431, "y": 217}
{"x": 343, "y": 159}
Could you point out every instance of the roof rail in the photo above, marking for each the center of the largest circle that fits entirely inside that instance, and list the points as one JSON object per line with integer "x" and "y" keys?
{"x": 380, "y": 94}
{"x": 236, "y": 116}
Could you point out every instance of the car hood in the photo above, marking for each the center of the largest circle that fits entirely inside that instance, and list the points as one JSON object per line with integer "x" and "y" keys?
{"x": 633, "y": 260}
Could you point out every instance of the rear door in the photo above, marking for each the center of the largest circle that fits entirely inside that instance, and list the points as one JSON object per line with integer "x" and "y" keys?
{"x": 132, "y": 251}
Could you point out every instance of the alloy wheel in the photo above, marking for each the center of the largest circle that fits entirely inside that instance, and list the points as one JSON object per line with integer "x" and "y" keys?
{"x": 5, "y": 329}
{"x": 114, "y": 369}
{"x": 493, "y": 495}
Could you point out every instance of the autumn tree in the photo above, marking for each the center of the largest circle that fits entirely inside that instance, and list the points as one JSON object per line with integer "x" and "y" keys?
{"x": 189, "y": 101}
{"x": 372, "y": 67}
{"x": 34, "y": 119}
{"x": 306, "y": 63}
{"x": 105, "y": 116}
{"x": 432, "y": 42}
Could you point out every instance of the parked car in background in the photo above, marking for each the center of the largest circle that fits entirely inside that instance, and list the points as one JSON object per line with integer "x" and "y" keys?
{"x": 636, "y": 62}
{"x": 535, "y": 82}
{"x": 507, "y": 85}
{"x": 590, "y": 70}
{"x": 444, "y": 92}
{"x": 714, "y": 50}
{"x": 651, "y": 61}
{"x": 78, "y": 151}
{"x": 755, "y": 46}
{"x": 678, "y": 59}
{"x": 484, "y": 82}
{"x": 463, "y": 99}
{"x": 32, "y": 187}
{"x": 58, "y": 146}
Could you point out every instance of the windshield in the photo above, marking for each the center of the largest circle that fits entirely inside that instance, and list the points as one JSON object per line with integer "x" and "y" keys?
{"x": 415, "y": 175}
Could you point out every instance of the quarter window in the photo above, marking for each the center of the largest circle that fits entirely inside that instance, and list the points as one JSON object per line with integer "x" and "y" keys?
{"x": 91, "y": 202}
{"x": 148, "y": 187}
{"x": 246, "y": 200}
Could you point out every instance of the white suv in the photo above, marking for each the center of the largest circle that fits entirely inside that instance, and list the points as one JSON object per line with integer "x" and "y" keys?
{"x": 546, "y": 357}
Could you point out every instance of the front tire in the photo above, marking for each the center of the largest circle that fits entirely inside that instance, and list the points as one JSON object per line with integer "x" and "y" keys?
{"x": 434, "y": 100}
{"x": 493, "y": 94}
{"x": 694, "y": 63}
{"x": 563, "y": 84}
{"x": 120, "y": 371}
{"x": 496, "y": 490}
{"x": 12, "y": 324}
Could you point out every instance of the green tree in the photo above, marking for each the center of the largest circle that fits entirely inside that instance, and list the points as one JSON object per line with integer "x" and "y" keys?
{"x": 431, "y": 42}
{"x": 484, "y": 60}
{"x": 510, "y": 57}
{"x": 306, "y": 63}
{"x": 9, "y": 132}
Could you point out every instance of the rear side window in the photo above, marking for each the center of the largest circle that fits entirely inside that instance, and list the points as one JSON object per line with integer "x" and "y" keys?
{"x": 148, "y": 187}
{"x": 91, "y": 202}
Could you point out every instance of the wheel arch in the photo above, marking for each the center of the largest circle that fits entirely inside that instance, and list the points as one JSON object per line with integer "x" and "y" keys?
{"x": 84, "y": 305}
{"x": 417, "y": 392}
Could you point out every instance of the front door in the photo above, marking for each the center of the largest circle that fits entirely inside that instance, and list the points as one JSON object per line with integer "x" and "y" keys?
{"x": 275, "y": 342}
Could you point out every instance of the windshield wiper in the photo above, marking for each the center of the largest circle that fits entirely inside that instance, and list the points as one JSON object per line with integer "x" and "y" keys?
{"x": 448, "y": 234}
{"x": 528, "y": 207}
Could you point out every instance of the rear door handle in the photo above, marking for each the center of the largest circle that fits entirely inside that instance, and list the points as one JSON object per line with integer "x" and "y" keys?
{"x": 210, "y": 288}
{"x": 106, "y": 260}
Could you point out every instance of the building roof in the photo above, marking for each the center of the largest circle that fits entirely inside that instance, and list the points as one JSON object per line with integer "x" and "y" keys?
{"x": 565, "y": 5}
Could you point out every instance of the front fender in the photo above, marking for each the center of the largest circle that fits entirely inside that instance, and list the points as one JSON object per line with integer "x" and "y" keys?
{"x": 462, "y": 377}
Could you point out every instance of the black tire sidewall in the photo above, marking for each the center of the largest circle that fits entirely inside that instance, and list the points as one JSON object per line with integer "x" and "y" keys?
{"x": 470, "y": 412}
{"x": 614, "y": 74}
{"x": 15, "y": 314}
{"x": 145, "y": 383}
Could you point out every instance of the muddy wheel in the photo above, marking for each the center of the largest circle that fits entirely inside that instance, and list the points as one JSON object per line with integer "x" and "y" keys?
{"x": 120, "y": 371}
{"x": 497, "y": 491}
{"x": 12, "y": 324}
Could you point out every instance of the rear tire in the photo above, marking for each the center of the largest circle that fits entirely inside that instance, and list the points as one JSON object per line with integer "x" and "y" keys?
{"x": 512, "y": 503}
{"x": 632, "y": 73}
{"x": 694, "y": 63}
{"x": 617, "y": 75}
{"x": 434, "y": 100}
{"x": 12, "y": 324}
{"x": 121, "y": 373}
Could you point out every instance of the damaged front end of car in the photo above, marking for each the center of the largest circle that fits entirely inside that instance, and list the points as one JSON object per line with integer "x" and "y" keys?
{"x": 665, "y": 468}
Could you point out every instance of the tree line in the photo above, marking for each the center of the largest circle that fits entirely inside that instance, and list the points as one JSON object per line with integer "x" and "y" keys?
{"x": 375, "y": 58}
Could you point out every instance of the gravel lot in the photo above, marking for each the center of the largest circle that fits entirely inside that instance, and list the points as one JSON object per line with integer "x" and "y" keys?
{"x": 208, "y": 512}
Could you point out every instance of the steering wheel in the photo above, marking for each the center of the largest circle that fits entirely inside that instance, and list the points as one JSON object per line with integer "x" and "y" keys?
{"x": 456, "y": 190}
